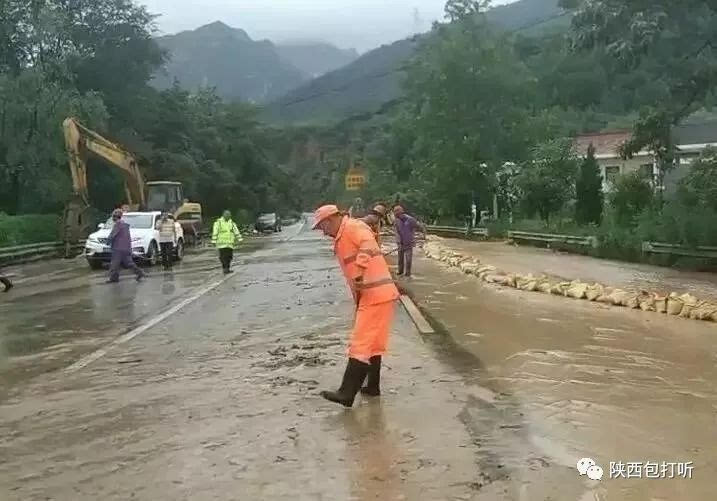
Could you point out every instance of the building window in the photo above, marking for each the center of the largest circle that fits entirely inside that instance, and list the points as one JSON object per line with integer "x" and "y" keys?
{"x": 646, "y": 171}
{"x": 611, "y": 173}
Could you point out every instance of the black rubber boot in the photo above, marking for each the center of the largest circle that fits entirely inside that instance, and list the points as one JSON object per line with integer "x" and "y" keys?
{"x": 353, "y": 379}
{"x": 7, "y": 283}
{"x": 373, "y": 381}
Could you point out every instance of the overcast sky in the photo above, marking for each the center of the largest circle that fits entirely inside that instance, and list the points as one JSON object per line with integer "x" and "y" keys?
{"x": 361, "y": 24}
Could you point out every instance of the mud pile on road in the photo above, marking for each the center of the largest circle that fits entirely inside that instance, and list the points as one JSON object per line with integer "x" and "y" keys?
{"x": 685, "y": 305}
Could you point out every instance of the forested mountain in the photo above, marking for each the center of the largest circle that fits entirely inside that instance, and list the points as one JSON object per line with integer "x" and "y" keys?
{"x": 364, "y": 85}
{"x": 316, "y": 58}
{"x": 219, "y": 56}
{"x": 226, "y": 58}
{"x": 374, "y": 80}
{"x": 54, "y": 64}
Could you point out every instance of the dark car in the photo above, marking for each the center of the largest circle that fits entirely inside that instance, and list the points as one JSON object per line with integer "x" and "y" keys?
{"x": 268, "y": 222}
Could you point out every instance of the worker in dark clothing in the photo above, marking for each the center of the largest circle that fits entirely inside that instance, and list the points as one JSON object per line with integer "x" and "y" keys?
{"x": 121, "y": 242}
{"x": 7, "y": 283}
{"x": 406, "y": 227}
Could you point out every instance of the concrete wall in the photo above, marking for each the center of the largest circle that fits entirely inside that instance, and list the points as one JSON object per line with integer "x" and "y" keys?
{"x": 624, "y": 167}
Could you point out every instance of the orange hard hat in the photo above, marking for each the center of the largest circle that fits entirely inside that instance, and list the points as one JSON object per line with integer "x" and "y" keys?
{"x": 324, "y": 212}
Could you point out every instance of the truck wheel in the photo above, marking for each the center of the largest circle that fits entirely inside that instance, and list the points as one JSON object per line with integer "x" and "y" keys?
{"x": 179, "y": 251}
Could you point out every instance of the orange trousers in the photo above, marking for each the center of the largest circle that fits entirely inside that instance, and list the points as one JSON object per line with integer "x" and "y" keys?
{"x": 371, "y": 330}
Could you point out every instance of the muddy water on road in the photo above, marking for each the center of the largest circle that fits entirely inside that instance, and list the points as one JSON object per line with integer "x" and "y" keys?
{"x": 576, "y": 379}
{"x": 60, "y": 310}
{"x": 221, "y": 403}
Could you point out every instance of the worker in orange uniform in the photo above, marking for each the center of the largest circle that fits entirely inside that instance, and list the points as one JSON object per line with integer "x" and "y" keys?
{"x": 374, "y": 293}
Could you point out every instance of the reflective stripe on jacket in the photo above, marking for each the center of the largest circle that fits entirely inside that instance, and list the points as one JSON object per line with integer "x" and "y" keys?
{"x": 225, "y": 234}
{"x": 360, "y": 257}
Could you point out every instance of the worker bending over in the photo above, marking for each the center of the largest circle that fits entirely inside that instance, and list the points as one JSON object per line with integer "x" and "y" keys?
{"x": 225, "y": 237}
{"x": 374, "y": 295}
{"x": 375, "y": 219}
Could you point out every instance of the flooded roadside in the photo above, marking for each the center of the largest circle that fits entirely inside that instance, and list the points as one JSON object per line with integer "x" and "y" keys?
{"x": 629, "y": 276}
{"x": 576, "y": 379}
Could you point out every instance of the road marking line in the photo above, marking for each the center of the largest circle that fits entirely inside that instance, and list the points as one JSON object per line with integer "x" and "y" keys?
{"x": 87, "y": 360}
{"x": 421, "y": 323}
{"x": 96, "y": 355}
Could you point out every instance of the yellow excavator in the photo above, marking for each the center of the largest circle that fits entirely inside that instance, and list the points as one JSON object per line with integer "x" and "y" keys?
{"x": 141, "y": 195}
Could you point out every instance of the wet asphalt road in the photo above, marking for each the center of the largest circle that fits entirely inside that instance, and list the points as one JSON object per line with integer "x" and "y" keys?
{"x": 61, "y": 309}
{"x": 219, "y": 400}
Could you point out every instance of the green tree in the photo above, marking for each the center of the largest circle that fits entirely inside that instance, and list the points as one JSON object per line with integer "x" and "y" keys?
{"x": 547, "y": 181}
{"x": 469, "y": 103}
{"x": 588, "y": 190}
{"x": 670, "y": 42}
{"x": 698, "y": 189}
{"x": 460, "y": 9}
{"x": 631, "y": 195}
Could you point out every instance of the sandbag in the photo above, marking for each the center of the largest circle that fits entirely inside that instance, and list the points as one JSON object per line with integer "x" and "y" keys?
{"x": 594, "y": 291}
{"x": 560, "y": 288}
{"x": 674, "y": 304}
{"x": 526, "y": 282}
{"x": 689, "y": 303}
{"x": 497, "y": 279}
{"x": 660, "y": 303}
{"x": 577, "y": 291}
{"x": 631, "y": 301}
{"x": 468, "y": 267}
{"x": 619, "y": 297}
{"x": 703, "y": 311}
{"x": 484, "y": 270}
{"x": 531, "y": 286}
{"x": 544, "y": 286}
{"x": 646, "y": 301}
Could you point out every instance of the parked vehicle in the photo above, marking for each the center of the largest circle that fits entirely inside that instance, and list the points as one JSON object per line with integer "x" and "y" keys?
{"x": 268, "y": 222}
{"x": 145, "y": 240}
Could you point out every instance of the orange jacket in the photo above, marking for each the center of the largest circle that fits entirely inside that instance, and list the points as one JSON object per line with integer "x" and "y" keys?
{"x": 363, "y": 263}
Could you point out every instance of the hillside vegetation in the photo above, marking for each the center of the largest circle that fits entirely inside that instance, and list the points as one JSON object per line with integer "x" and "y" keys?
{"x": 375, "y": 79}
{"x": 240, "y": 68}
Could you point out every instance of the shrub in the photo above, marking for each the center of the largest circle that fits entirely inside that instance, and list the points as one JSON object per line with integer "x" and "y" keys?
{"x": 28, "y": 229}
{"x": 631, "y": 196}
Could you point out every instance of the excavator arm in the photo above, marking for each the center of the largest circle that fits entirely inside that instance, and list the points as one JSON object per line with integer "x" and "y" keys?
{"x": 79, "y": 140}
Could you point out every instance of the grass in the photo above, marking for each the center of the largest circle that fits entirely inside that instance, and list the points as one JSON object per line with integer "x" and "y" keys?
{"x": 28, "y": 229}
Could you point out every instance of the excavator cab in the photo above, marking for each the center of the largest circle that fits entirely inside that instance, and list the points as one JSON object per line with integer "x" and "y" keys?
{"x": 169, "y": 196}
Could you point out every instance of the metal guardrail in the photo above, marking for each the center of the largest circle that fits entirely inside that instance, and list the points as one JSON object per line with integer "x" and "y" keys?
{"x": 457, "y": 231}
{"x": 31, "y": 252}
{"x": 678, "y": 250}
{"x": 547, "y": 238}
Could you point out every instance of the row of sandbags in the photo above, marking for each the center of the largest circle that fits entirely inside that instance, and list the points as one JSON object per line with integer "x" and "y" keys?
{"x": 684, "y": 305}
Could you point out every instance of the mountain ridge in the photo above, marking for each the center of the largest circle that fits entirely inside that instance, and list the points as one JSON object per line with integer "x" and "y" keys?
{"x": 374, "y": 79}
{"x": 240, "y": 68}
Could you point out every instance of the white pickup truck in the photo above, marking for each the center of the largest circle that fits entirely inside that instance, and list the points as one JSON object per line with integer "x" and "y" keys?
{"x": 145, "y": 240}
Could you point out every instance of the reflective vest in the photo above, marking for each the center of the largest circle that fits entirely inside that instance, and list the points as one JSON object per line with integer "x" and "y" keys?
{"x": 225, "y": 234}
{"x": 360, "y": 256}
